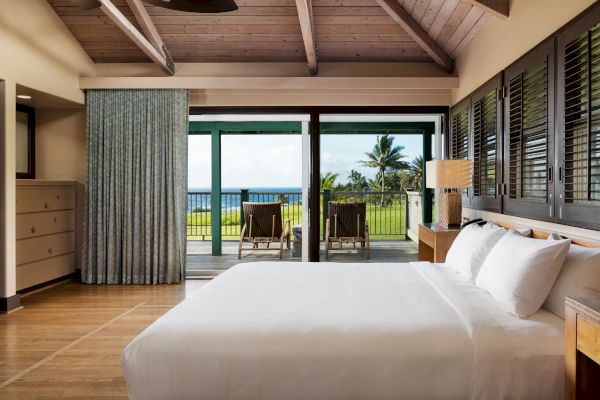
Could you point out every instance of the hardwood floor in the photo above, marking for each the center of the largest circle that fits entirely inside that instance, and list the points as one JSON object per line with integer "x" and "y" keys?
{"x": 66, "y": 342}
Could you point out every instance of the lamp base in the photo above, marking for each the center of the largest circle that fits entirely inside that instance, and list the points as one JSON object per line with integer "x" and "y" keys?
{"x": 450, "y": 209}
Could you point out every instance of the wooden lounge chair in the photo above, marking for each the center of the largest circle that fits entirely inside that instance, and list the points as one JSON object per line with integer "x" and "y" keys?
{"x": 347, "y": 224}
{"x": 263, "y": 225}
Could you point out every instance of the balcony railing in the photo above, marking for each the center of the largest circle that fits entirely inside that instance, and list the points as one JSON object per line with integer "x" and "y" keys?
{"x": 386, "y": 212}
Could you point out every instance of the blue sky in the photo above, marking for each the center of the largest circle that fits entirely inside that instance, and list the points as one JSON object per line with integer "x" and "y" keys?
{"x": 275, "y": 160}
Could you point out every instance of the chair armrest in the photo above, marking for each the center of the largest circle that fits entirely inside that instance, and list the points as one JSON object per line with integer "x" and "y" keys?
{"x": 287, "y": 228}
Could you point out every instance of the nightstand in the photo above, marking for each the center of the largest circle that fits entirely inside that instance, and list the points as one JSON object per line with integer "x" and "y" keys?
{"x": 435, "y": 241}
{"x": 582, "y": 348}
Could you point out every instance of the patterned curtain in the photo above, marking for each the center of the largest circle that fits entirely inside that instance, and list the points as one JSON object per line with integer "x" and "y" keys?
{"x": 135, "y": 217}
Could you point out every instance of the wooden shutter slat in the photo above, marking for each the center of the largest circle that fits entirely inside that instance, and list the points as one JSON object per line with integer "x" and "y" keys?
{"x": 528, "y": 134}
{"x": 581, "y": 120}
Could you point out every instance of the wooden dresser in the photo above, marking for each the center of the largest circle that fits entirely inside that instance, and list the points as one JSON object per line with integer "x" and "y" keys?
{"x": 582, "y": 347}
{"x": 45, "y": 231}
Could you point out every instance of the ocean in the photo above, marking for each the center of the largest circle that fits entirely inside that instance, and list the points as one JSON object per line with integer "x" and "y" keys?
{"x": 199, "y": 198}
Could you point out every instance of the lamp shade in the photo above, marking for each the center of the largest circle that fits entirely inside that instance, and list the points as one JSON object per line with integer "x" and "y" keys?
{"x": 449, "y": 174}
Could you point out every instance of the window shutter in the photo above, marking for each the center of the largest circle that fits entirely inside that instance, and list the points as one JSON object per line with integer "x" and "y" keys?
{"x": 579, "y": 116}
{"x": 529, "y": 133}
{"x": 484, "y": 145}
{"x": 486, "y": 127}
{"x": 459, "y": 130}
{"x": 528, "y": 157}
{"x": 582, "y": 127}
{"x": 460, "y": 134}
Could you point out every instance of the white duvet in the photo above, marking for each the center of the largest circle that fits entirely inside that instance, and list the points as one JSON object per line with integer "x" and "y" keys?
{"x": 277, "y": 330}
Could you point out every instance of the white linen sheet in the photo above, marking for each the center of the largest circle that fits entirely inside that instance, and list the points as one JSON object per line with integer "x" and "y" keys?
{"x": 282, "y": 330}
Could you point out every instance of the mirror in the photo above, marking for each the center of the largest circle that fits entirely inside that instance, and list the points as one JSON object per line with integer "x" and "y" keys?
{"x": 25, "y": 142}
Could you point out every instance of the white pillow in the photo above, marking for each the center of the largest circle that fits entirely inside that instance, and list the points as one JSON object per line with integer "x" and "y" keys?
{"x": 519, "y": 272}
{"x": 471, "y": 247}
{"x": 579, "y": 276}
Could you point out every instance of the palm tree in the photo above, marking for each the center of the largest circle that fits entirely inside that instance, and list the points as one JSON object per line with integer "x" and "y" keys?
{"x": 328, "y": 180}
{"x": 416, "y": 173}
{"x": 357, "y": 181}
{"x": 385, "y": 156}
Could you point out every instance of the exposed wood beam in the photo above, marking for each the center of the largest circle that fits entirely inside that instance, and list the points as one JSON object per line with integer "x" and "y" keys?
{"x": 280, "y": 83}
{"x": 143, "y": 18}
{"x": 157, "y": 56}
{"x": 414, "y": 30}
{"x": 305, "y": 15}
{"x": 499, "y": 8}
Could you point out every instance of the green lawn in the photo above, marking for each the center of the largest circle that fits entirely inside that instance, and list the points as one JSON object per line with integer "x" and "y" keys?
{"x": 384, "y": 222}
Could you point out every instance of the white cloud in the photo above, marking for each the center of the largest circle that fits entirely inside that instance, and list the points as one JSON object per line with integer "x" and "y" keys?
{"x": 248, "y": 161}
{"x": 251, "y": 161}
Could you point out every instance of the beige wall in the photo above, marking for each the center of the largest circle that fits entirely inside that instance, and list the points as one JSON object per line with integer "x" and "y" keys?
{"x": 39, "y": 52}
{"x": 503, "y": 41}
{"x": 275, "y": 84}
{"x": 60, "y": 144}
{"x": 60, "y": 154}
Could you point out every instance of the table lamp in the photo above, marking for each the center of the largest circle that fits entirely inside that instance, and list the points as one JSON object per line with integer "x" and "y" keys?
{"x": 449, "y": 175}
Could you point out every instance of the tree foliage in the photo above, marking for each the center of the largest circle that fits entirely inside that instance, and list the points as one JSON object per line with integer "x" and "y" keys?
{"x": 385, "y": 157}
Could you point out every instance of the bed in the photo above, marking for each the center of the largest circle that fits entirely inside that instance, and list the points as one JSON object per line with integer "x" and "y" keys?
{"x": 286, "y": 330}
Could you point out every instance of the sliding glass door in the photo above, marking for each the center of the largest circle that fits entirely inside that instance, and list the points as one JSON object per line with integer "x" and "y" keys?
{"x": 238, "y": 159}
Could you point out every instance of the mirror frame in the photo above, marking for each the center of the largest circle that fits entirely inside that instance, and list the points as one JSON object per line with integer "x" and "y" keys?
{"x": 30, "y": 111}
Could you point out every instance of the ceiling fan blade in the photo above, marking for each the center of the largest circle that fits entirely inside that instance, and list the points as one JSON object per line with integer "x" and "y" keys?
{"x": 86, "y": 5}
{"x": 197, "y": 6}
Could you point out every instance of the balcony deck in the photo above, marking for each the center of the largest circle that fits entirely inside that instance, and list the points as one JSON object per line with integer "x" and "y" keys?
{"x": 201, "y": 263}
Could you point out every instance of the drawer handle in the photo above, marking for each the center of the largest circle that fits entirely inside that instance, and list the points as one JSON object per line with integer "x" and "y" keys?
{"x": 55, "y": 221}
{"x": 32, "y": 229}
{"x": 58, "y": 196}
{"x": 46, "y": 205}
{"x": 50, "y": 250}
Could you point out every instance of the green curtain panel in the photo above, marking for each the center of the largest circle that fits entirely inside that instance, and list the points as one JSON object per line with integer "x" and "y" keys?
{"x": 135, "y": 218}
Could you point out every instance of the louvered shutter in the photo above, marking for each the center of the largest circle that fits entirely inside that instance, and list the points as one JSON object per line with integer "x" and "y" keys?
{"x": 459, "y": 131}
{"x": 486, "y": 145}
{"x": 460, "y": 134}
{"x": 528, "y": 133}
{"x": 579, "y": 118}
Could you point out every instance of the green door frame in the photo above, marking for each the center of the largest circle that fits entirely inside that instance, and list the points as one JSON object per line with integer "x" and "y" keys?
{"x": 217, "y": 129}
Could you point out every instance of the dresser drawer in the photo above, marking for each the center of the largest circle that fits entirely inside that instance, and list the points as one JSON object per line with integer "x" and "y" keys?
{"x": 588, "y": 338}
{"x": 45, "y": 199}
{"x": 38, "y": 248}
{"x": 43, "y": 271}
{"x": 38, "y": 224}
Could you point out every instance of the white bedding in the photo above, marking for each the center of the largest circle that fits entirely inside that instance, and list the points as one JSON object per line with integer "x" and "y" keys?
{"x": 277, "y": 330}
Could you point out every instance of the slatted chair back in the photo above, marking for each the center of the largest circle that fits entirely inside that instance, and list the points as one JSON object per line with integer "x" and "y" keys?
{"x": 263, "y": 219}
{"x": 347, "y": 219}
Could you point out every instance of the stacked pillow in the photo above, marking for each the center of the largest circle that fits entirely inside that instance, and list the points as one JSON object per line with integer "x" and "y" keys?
{"x": 522, "y": 273}
{"x": 471, "y": 247}
{"x": 519, "y": 272}
{"x": 579, "y": 276}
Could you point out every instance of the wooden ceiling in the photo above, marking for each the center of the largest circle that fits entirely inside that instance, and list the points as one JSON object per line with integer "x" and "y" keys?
{"x": 269, "y": 30}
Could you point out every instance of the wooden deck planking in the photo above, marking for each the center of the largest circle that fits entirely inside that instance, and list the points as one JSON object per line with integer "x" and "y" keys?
{"x": 200, "y": 262}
